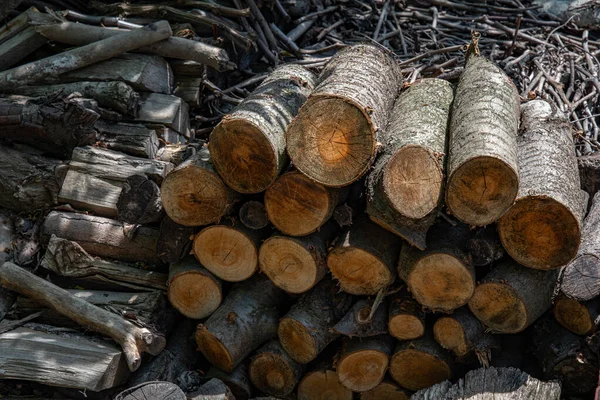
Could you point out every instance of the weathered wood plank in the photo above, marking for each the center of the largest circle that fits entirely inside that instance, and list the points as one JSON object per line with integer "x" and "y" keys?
{"x": 161, "y": 109}
{"x": 17, "y": 24}
{"x": 133, "y": 139}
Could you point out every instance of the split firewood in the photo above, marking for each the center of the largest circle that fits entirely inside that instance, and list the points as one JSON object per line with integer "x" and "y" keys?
{"x": 152, "y": 390}
{"x": 406, "y": 317}
{"x": 163, "y": 109}
{"x": 139, "y": 201}
{"x": 257, "y": 127}
{"x": 189, "y": 90}
{"x": 17, "y": 24}
{"x": 363, "y": 362}
{"x": 511, "y": 297}
{"x": 483, "y": 177}
{"x": 405, "y": 185}
{"x": 386, "y": 390}
{"x": 543, "y": 228}
{"x": 133, "y": 340}
{"x": 174, "y": 241}
{"x": 363, "y": 320}
{"x": 485, "y": 246}
{"x": 321, "y": 382}
{"x": 305, "y": 330}
{"x": 273, "y": 371}
{"x": 253, "y": 215}
{"x": 237, "y": 381}
{"x": 580, "y": 317}
{"x": 133, "y": 139}
{"x": 589, "y": 173}
{"x": 15, "y": 49}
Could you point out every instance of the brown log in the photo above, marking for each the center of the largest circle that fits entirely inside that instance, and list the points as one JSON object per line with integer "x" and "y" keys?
{"x": 363, "y": 362}
{"x": 581, "y": 318}
{"x": 257, "y": 127}
{"x": 193, "y": 291}
{"x": 254, "y": 215}
{"x": 485, "y": 246}
{"x": 321, "y": 383}
{"x": 462, "y": 333}
{"x": 133, "y": 139}
{"x": 152, "y": 390}
{"x": 247, "y": 318}
{"x": 237, "y": 381}
{"x": 406, "y": 317}
{"x": 364, "y": 258}
{"x": 543, "y": 228}
{"x": 133, "y": 340}
{"x": 305, "y": 330}
{"x": 273, "y": 371}
{"x": 363, "y": 321}
{"x": 174, "y": 241}
{"x": 333, "y": 139}
{"x": 440, "y": 278}
{"x": 511, "y": 297}
{"x": 387, "y": 390}
{"x": 139, "y": 201}
{"x": 483, "y": 176}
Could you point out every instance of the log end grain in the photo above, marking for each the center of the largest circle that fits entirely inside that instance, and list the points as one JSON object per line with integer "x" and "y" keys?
{"x": 213, "y": 349}
{"x": 195, "y": 294}
{"x": 499, "y": 307}
{"x": 359, "y": 272}
{"x": 297, "y": 340}
{"x": 385, "y": 390}
{"x": 362, "y": 370}
{"x": 451, "y": 336}
{"x": 272, "y": 371}
{"x": 415, "y": 369}
{"x": 406, "y": 327}
{"x": 581, "y": 279}
{"x": 574, "y": 316}
{"x": 322, "y": 385}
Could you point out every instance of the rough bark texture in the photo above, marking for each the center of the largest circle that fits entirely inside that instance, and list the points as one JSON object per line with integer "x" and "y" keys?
{"x": 253, "y": 215}
{"x": 406, "y": 317}
{"x": 543, "y": 228}
{"x": 152, "y": 390}
{"x": 17, "y": 24}
{"x": 581, "y": 318}
{"x": 485, "y": 247}
{"x": 273, "y": 371}
{"x": 387, "y": 390}
{"x": 482, "y": 165}
{"x": 257, "y": 126}
{"x": 174, "y": 241}
{"x": 139, "y": 201}
{"x": 511, "y": 297}
{"x": 362, "y": 362}
{"x": 133, "y": 139}
{"x": 247, "y": 318}
{"x": 589, "y": 173}
{"x": 237, "y": 381}
{"x": 362, "y": 321}
{"x": 333, "y": 140}
{"x": 462, "y": 333}
{"x": 306, "y": 329}
{"x": 441, "y": 277}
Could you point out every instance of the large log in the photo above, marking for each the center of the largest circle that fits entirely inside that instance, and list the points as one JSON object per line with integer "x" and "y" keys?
{"x": 581, "y": 318}
{"x": 511, "y": 297}
{"x": 273, "y": 371}
{"x": 543, "y": 228}
{"x": 405, "y": 185}
{"x": 257, "y": 127}
{"x": 406, "y": 317}
{"x": 482, "y": 167}
{"x": 363, "y": 362}
{"x": 247, "y": 318}
{"x": 334, "y": 138}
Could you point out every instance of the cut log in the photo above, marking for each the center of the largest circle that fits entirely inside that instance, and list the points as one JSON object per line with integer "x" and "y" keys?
{"x": 237, "y": 381}
{"x": 485, "y": 247}
{"x": 483, "y": 177}
{"x": 257, "y": 126}
{"x": 387, "y": 390}
{"x": 420, "y": 363}
{"x": 296, "y": 264}
{"x": 103, "y": 237}
{"x": 247, "y": 318}
{"x": 364, "y": 258}
{"x": 305, "y": 330}
{"x": 543, "y": 228}
{"x": 511, "y": 297}
{"x": 566, "y": 357}
{"x": 20, "y": 46}
{"x": 133, "y": 340}
{"x": 136, "y": 140}
{"x": 214, "y": 389}
{"x": 363, "y": 362}
{"x": 188, "y": 89}
{"x": 461, "y": 333}
{"x": 406, "y": 318}
{"x": 298, "y": 206}
{"x": 17, "y": 24}
{"x": 152, "y": 390}
{"x": 254, "y": 215}
{"x": 174, "y": 241}
{"x": 580, "y": 279}
{"x": 581, "y": 318}
{"x": 273, "y": 371}
{"x": 333, "y": 139}
{"x": 441, "y": 277}
{"x": 139, "y": 201}
{"x": 163, "y": 109}
{"x": 229, "y": 250}
{"x": 193, "y": 194}
{"x": 321, "y": 383}
{"x": 72, "y": 360}
{"x": 363, "y": 321}
{"x": 193, "y": 291}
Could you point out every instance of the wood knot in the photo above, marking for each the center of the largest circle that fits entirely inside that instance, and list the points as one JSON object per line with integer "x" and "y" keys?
{"x": 231, "y": 317}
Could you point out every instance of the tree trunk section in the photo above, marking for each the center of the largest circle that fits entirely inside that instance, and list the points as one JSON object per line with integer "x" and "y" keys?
{"x": 20, "y": 46}
{"x": 406, "y": 317}
{"x": 17, "y": 24}
{"x": 273, "y": 371}
{"x": 363, "y": 362}
{"x": 483, "y": 177}
{"x": 321, "y": 383}
{"x": 257, "y": 127}
{"x": 152, "y": 390}
{"x": 333, "y": 140}
{"x": 136, "y": 140}
{"x": 485, "y": 247}
{"x": 174, "y": 241}
{"x": 238, "y": 381}
{"x": 363, "y": 321}
{"x": 387, "y": 390}
{"x": 581, "y": 318}
{"x": 139, "y": 201}
{"x": 542, "y": 229}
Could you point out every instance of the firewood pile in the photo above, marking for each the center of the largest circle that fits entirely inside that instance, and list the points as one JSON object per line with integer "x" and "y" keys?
{"x": 299, "y": 199}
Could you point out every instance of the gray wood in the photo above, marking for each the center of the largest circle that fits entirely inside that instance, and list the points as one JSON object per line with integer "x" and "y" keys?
{"x": 188, "y": 88}
{"x": 177, "y": 153}
{"x": 187, "y": 68}
{"x": 152, "y": 390}
{"x": 16, "y": 25}
{"x": 20, "y": 46}
{"x": 161, "y": 109}
{"x": 212, "y": 390}
{"x": 169, "y": 135}
{"x": 133, "y": 139}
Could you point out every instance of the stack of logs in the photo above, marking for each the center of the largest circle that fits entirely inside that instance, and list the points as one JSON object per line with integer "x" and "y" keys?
{"x": 339, "y": 233}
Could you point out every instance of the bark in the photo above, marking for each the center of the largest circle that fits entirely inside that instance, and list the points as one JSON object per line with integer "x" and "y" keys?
{"x": 364, "y": 258}
{"x": 237, "y": 381}
{"x": 152, "y": 390}
{"x": 254, "y": 215}
{"x": 20, "y": 46}
{"x": 589, "y": 173}
{"x": 406, "y": 317}
{"x": 80, "y": 57}
{"x": 212, "y": 390}
{"x": 440, "y": 278}
{"x": 542, "y": 229}
{"x": 298, "y": 206}
{"x": 17, "y": 24}
{"x": 189, "y": 90}
{"x": 321, "y": 383}
{"x": 334, "y": 138}
{"x": 273, "y": 371}
{"x": 580, "y": 279}
{"x": 362, "y": 321}
{"x": 305, "y": 330}
{"x": 386, "y": 390}
{"x": 485, "y": 247}
{"x": 247, "y": 318}
{"x": 133, "y": 340}
{"x": 193, "y": 291}
{"x": 511, "y": 297}
{"x": 139, "y": 201}
{"x": 483, "y": 176}
{"x": 257, "y": 126}
{"x": 136, "y": 140}
{"x": 193, "y": 194}
{"x": 103, "y": 237}
{"x": 174, "y": 241}
{"x": 581, "y": 318}
{"x": 363, "y": 362}
{"x": 163, "y": 109}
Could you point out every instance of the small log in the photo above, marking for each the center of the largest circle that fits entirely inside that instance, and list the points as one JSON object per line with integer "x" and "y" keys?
{"x": 511, "y": 297}
{"x": 581, "y": 318}
{"x": 136, "y": 140}
{"x": 253, "y": 215}
{"x": 229, "y": 250}
{"x": 406, "y": 317}
{"x": 305, "y": 330}
{"x": 103, "y": 237}
{"x": 363, "y": 362}
{"x": 321, "y": 383}
{"x": 273, "y": 371}
{"x": 485, "y": 247}
{"x": 214, "y": 389}
{"x": 152, "y": 390}
{"x": 364, "y": 258}
{"x": 441, "y": 277}
{"x": 174, "y": 241}
{"x": 362, "y": 321}
{"x": 188, "y": 89}
{"x": 163, "y": 109}
{"x": 298, "y": 206}
{"x": 133, "y": 340}
{"x": 139, "y": 201}
{"x": 387, "y": 390}
{"x": 543, "y": 228}
{"x": 461, "y": 333}
{"x": 483, "y": 176}
{"x": 247, "y": 318}
{"x": 17, "y": 24}
{"x": 333, "y": 139}
{"x": 420, "y": 363}
{"x": 257, "y": 127}
{"x": 237, "y": 381}
{"x": 20, "y": 46}
{"x": 193, "y": 291}
{"x": 193, "y": 194}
